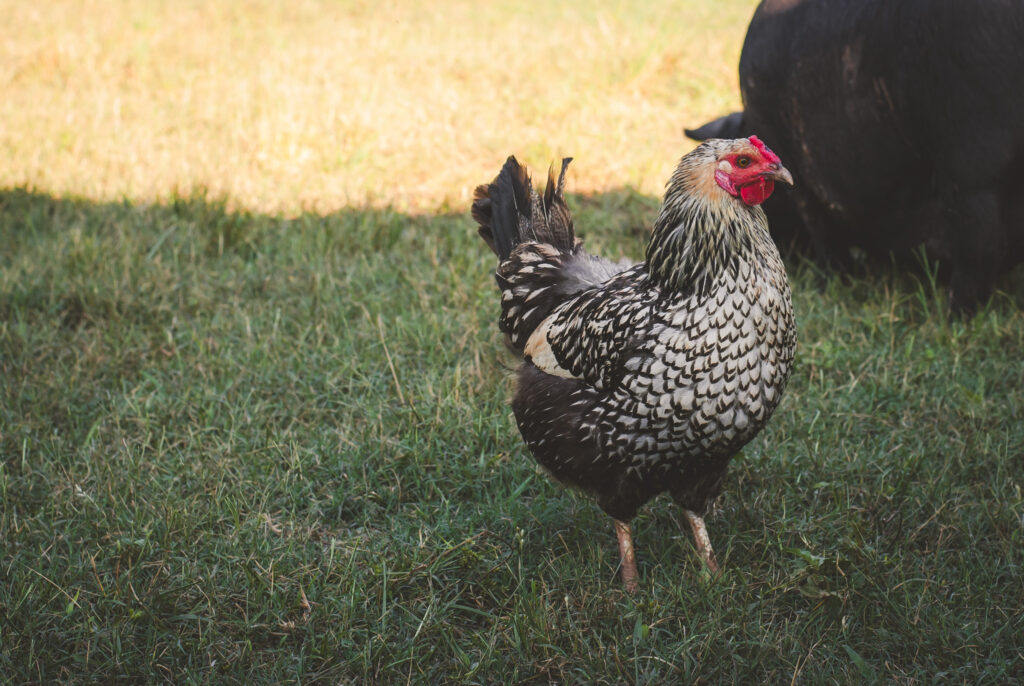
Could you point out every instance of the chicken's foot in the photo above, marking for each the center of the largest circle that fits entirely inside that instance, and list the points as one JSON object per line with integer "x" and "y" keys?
{"x": 700, "y": 536}
{"x": 629, "y": 573}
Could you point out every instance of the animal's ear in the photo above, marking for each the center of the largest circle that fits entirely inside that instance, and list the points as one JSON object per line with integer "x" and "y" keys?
{"x": 729, "y": 126}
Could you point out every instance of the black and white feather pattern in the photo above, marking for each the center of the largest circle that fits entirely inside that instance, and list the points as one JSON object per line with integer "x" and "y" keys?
{"x": 541, "y": 263}
{"x": 646, "y": 378}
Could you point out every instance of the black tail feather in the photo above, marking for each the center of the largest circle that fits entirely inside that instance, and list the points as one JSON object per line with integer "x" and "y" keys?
{"x": 509, "y": 211}
{"x": 541, "y": 263}
{"x": 559, "y": 220}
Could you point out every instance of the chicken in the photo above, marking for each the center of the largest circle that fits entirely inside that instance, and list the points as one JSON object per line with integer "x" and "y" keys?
{"x": 647, "y": 378}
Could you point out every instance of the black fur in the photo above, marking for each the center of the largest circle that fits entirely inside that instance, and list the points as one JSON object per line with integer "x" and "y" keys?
{"x": 903, "y": 123}
{"x": 729, "y": 126}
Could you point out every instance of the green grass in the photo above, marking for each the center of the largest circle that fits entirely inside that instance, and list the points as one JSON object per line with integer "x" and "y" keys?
{"x": 244, "y": 448}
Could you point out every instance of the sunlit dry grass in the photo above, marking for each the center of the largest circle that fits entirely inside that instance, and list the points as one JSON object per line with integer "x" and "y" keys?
{"x": 318, "y": 105}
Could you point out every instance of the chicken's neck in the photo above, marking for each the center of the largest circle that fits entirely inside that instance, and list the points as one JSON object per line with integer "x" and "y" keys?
{"x": 695, "y": 240}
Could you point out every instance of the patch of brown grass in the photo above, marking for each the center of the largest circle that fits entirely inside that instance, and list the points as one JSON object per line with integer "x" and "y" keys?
{"x": 320, "y": 104}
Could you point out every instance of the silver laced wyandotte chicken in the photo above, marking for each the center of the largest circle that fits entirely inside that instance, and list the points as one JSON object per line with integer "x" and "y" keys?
{"x": 647, "y": 378}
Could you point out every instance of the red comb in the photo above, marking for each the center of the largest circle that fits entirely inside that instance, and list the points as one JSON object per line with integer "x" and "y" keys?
{"x": 765, "y": 150}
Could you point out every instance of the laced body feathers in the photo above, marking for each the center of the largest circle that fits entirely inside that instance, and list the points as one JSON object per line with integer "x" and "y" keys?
{"x": 640, "y": 379}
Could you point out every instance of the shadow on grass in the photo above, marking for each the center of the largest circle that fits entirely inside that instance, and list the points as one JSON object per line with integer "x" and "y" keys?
{"x": 58, "y": 233}
{"x": 120, "y": 278}
{"x": 136, "y": 269}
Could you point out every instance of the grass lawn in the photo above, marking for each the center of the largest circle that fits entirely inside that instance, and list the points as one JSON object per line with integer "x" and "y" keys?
{"x": 253, "y": 403}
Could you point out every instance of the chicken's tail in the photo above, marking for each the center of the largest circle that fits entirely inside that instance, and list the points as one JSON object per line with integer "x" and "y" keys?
{"x": 509, "y": 211}
{"x": 541, "y": 263}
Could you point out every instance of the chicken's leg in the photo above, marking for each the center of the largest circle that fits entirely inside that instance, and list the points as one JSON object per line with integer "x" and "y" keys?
{"x": 700, "y": 536}
{"x": 629, "y": 574}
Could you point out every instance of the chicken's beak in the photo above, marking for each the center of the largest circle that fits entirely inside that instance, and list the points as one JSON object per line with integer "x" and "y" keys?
{"x": 780, "y": 173}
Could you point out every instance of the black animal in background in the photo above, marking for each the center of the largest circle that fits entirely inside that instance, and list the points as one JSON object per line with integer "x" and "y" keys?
{"x": 903, "y": 123}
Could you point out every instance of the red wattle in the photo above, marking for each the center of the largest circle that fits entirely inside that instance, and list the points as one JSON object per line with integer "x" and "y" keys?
{"x": 757, "y": 192}
{"x": 723, "y": 180}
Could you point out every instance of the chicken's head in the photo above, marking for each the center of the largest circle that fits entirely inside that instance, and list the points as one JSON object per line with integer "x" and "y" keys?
{"x": 712, "y": 210}
{"x": 747, "y": 169}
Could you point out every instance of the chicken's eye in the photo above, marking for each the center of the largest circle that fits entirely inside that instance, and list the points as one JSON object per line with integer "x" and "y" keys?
{"x": 743, "y": 162}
